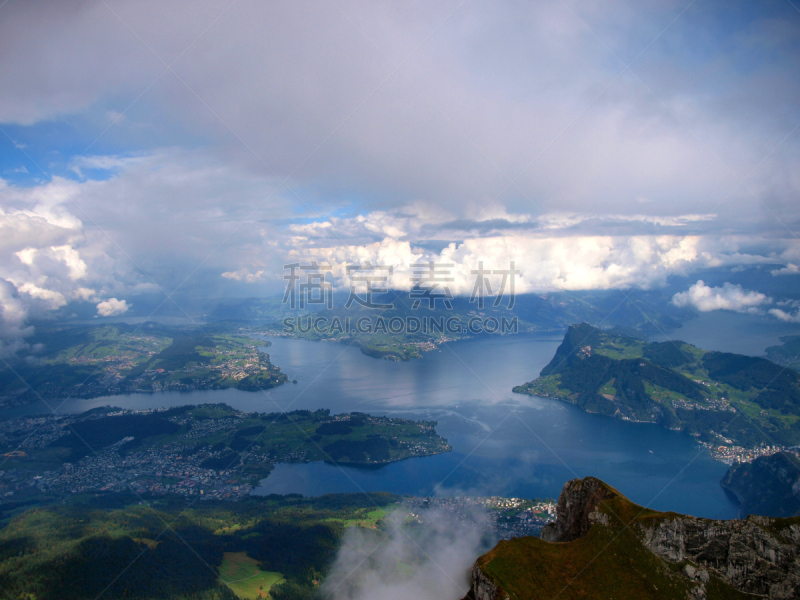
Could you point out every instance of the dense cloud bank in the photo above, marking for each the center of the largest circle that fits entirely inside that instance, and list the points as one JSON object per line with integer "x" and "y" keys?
{"x": 200, "y": 146}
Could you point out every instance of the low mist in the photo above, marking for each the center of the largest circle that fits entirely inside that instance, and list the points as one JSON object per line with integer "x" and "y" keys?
{"x": 420, "y": 555}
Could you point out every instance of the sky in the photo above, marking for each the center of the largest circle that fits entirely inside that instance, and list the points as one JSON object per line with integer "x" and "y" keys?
{"x": 149, "y": 147}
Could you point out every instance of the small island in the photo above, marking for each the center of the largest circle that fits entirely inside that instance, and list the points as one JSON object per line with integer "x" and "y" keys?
{"x": 208, "y": 451}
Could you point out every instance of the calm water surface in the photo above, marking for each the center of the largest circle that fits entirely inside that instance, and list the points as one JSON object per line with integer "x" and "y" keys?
{"x": 503, "y": 443}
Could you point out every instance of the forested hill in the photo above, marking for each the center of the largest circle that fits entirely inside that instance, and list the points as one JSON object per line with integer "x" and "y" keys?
{"x": 723, "y": 398}
{"x": 769, "y": 485}
{"x": 113, "y": 546}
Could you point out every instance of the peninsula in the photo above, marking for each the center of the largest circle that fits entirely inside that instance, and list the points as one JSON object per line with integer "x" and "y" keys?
{"x": 739, "y": 406}
{"x": 208, "y": 451}
{"x": 92, "y": 361}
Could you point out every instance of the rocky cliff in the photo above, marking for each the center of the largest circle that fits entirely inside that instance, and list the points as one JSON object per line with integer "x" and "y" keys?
{"x": 604, "y": 546}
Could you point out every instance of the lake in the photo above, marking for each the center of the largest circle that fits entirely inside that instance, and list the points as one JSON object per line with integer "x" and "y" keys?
{"x": 503, "y": 443}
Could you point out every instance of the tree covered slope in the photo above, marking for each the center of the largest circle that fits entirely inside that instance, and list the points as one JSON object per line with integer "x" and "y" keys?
{"x": 769, "y": 485}
{"x": 718, "y": 396}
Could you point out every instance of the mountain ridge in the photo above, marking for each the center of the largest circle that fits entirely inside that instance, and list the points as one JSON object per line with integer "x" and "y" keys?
{"x": 602, "y": 545}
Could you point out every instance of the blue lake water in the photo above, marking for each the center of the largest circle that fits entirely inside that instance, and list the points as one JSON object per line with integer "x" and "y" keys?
{"x": 503, "y": 443}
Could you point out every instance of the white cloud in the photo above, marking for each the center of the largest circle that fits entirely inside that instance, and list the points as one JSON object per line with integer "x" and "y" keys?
{"x": 105, "y": 163}
{"x": 789, "y": 269}
{"x": 112, "y": 307}
{"x": 498, "y": 134}
{"x": 728, "y": 297}
{"x": 548, "y": 260}
{"x": 554, "y": 251}
{"x": 48, "y": 257}
{"x": 40, "y": 263}
{"x": 418, "y": 220}
{"x": 83, "y": 293}
{"x": 560, "y": 220}
{"x": 153, "y": 216}
{"x": 785, "y": 316}
{"x": 245, "y": 275}
{"x": 51, "y": 299}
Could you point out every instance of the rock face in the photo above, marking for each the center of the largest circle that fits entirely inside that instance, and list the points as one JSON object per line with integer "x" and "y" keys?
{"x": 484, "y": 588}
{"x": 602, "y": 545}
{"x": 758, "y": 555}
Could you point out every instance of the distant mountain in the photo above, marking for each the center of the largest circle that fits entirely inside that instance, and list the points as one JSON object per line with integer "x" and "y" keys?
{"x": 720, "y": 397}
{"x": 602, "y": 545}
{"x": 640, "y": 313}
{"x": 643, "y": 311}
{"x": 769, "y": 485}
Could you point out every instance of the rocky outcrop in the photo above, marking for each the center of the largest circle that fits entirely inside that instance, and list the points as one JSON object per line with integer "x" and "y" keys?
{"x": 705, "y": 558}
{"x": 576, "y": 510}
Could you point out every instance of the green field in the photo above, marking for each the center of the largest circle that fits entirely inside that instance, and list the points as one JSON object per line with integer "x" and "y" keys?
{"x": 367, "y": 519}
{"x": 243, "y": 575}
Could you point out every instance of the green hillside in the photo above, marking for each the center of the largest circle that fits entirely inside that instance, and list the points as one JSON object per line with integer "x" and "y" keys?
{"x": 212, "y": 551}
{"x": 722, "y": 398}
